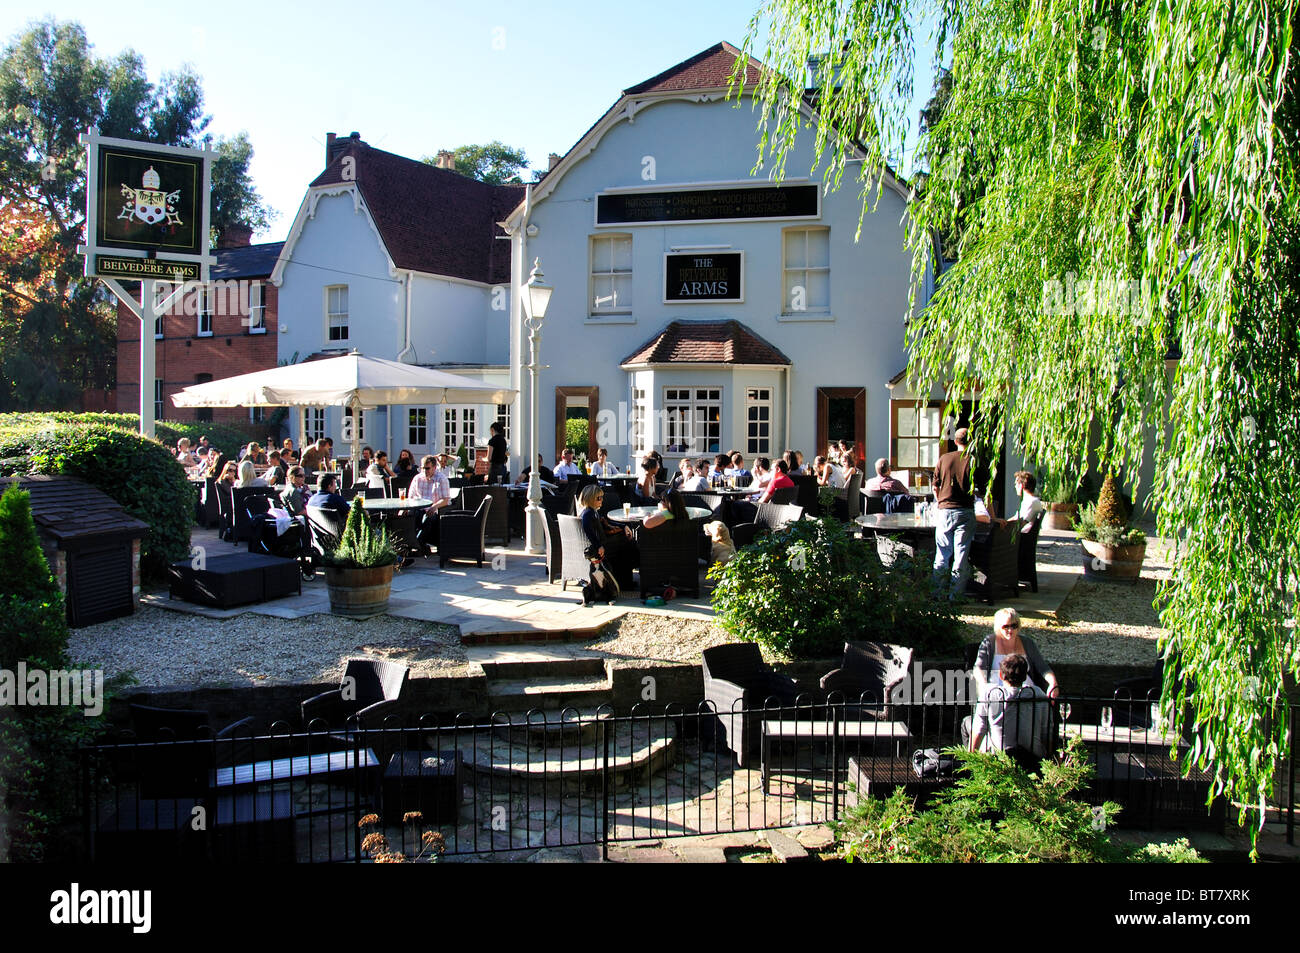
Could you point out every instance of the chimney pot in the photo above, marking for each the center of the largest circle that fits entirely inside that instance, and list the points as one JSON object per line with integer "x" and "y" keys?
{"x": 552, "y": 161}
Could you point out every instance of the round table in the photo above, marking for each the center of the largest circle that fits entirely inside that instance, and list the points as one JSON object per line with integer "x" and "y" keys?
{"x": 618, "y": 478}
{"x": 391, "y": 504}
{"x": 637, "y": 514}
{"x": 897, "y": 522}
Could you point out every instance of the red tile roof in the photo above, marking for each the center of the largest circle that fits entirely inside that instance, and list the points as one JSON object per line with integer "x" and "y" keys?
{"x": 430, "y": 219}
{"x": 706, "y": 342}
{"x": 709, "y": 69}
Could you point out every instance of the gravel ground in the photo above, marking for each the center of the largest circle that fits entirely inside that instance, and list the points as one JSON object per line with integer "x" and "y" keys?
{"x": 1098, "y": 623}
{"x": 162, "y": 647}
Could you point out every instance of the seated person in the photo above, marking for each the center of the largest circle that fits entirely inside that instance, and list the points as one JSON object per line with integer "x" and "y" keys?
{"x": 378, "y": 472}
{"x": 671, "y": 507}
{"x": 255, "y": 454}
{"x": 737, "y": 470}
{"x": 1031, "y": 507}
{"x": 248, "y": 475}
{"x": 718, "y": 472}
{"x": 791, "y": 462}
{"x": 1005, "y": 639}
{"x": 327, "y": 497}
{"x": 606, "y": 542}
{"x": 602, "y": 467}
{"x": 798, "y": 459}
{"x": 288, "y": 455}
{"x": 685, "y": 471}
{"x": 294, "y": 496}
{"x": 780, "y": 480}
{"x": 823, "y": 470}
{"x": 699, "y": 483}
{"x": 882, "y": 481}
{"x": 645, "y": 489}
{"x": 566, "y": 469}
{"x": 229, "y": 473}
{"x": 275, "y": 469}
{"x": 1013, "y": 715}
{"x": 430, "y": 483}
{"x": 545, "y": 473}
{"x": 184, "y": 455}
{"x": 405, "y": 464}
{"x": 761, "y": 477}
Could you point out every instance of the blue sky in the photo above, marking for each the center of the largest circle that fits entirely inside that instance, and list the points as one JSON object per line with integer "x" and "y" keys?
{"x": 410, "y": 77}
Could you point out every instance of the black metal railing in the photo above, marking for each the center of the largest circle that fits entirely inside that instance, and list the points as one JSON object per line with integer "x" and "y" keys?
{"x": 572, "y": 779}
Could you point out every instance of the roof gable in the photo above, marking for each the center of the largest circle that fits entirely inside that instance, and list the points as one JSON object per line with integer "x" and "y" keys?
{"x": 706, "y": 342}
{"x": 708, "y": 69}
{"x": 430, "y": 220}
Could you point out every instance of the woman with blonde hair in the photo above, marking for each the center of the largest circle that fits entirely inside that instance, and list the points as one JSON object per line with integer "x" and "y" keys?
{"x": 248, "y": 475}
{"x": 1004, "y": 640}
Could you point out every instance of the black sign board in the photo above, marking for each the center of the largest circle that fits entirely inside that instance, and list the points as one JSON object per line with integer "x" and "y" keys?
{"x": 114, "y": 266}
{"x": 146, "y": 200}
{"x": 708, "y": 205}
{"x": 704, "y": 276}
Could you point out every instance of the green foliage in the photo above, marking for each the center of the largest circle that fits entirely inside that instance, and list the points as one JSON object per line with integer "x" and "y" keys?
{"x": 57, "y": 328}
{"x": 1082, "y": 143}
{"x": 361, "y": 546}
{"x": 33, "y": 622}
{"x": 495, "y": 163}
{"x": 996, "y": 813}
{"x": 576, "y": 430}
{"x": 140, "y": 474}
{"x": 462, "y": 454}
{"x": 1066, "y": 486}
{"x": 18, "y": 431}
{"x": 806, "y": 590}
{"x": 1089, "y": 527}
{"x": 1110, "y": 510}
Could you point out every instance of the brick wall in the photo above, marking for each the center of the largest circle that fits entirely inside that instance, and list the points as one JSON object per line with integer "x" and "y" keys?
{"x": 181, "y": 355}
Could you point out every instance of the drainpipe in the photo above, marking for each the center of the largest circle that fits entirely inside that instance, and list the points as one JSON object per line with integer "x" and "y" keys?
{"x": 788, "y": 369}
{"x": 407, "y": 353}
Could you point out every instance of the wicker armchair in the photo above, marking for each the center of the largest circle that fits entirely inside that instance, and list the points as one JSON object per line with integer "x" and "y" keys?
{"x": 805, "y": 492}
{"x": 247, "y": 502}
{"x": 326, "y": 528}
{"x": 868, "y": 675}
{"x": 873, "y": 501}
{"x": 738, "y": 684}
{"x": 998, "y": 559}
{"x": 498, "y": 521}
{"x": 225, "y": 510}
{"x": 848, "y": 506}
{"x": 462, "y": 535}
{"x": 370, "y": 691}
{"x": 670, "y": 555}
{"x": 784, "y": 495}
{"x": 183, "y": 770}
{"x": 574, "y": 565}
{"x": 770, "y": 516}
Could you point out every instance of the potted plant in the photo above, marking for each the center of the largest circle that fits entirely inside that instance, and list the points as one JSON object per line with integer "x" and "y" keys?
{"x": 463, "y": 454}
{"x": 1061, "y": 492}
{"x": 359, "y": 570}
{"x": 1112, "y": 548}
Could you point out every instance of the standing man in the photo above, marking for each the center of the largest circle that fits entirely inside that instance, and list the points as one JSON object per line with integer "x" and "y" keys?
{"x": 955, "y": 518}
{"x": 500, "y": 455}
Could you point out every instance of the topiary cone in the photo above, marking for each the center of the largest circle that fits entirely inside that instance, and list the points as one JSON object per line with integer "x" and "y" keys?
{"x": 1110, "y": 507}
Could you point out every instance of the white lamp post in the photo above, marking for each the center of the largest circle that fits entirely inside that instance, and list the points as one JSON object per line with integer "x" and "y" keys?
{"x": 537, "y": 296}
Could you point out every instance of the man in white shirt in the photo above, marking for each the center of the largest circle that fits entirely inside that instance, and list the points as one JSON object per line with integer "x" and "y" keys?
{"x": 1031, "y": 507}
{"x": 430, "y": 484}
{"x": 566, "y": 469}
{"x": 699, "y": 482}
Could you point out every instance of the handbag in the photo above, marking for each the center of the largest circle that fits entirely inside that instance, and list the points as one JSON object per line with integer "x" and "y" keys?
{"x": 933, "y": 763}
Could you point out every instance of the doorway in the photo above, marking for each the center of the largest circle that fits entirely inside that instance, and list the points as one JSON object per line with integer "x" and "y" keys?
{"x": 581, "y": 405}
{"x": 842, "y": 415}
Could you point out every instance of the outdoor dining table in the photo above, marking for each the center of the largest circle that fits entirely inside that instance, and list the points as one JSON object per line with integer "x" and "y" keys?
{"x": 897, "y": 522}
{"x": 392, "y": 504}
{"x": 638, "y": 514}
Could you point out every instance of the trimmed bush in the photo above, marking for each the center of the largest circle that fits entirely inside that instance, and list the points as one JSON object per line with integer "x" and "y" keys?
{"x": 805, "y": 591}
{"x": 138, "y": 473}
{"x": 16, "y": 430}
{"x": 33, "y": 621}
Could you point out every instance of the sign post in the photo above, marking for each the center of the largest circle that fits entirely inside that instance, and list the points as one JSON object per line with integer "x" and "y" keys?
{"x": 148, "y": 217}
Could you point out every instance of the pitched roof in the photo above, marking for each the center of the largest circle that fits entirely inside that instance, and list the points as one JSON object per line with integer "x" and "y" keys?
{"x": 67, "y": 508}
{"x": 706, "y": 342}
{"x": 430, "y": 219}
{"x": 250, "y": 261}
{"x": 708, "y": 69}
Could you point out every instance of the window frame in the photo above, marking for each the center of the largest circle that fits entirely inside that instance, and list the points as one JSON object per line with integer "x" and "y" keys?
{"x": 317, "y": 429}
{"x": 203, "y": 309}
{"x": 695, "y": 446}
{"x": 157, "y": 398}
{"x": 594, "y": 311}
{"x": 920, "y": 474}
{"x": 464, "y": 434}
{"x": 504, "y": 413}
{"x": 342, "y": 341}
{"x": 411, "y": 426}
{"x": 787, "y": 312}
{"x": 752, "y": 444}
{"x": 259, "y": 308}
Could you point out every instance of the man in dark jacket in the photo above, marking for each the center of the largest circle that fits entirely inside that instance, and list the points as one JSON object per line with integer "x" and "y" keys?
{"x": 954, "y": 527}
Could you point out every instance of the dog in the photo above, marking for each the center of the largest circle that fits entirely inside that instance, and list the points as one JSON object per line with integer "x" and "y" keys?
{"x": 723, "y": 549}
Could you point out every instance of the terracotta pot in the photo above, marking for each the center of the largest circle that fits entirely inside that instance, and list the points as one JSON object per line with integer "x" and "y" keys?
{"x": 1116, "y": 563}
{"x": 359, "y": 593}
{"x": 1061, "y": 515}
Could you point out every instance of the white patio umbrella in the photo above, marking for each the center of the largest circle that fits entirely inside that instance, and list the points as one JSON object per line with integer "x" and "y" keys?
{"x": 353, "y": 380}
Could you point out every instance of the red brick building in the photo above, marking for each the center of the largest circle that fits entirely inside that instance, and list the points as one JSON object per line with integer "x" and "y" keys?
{"x": 228, "y": 327}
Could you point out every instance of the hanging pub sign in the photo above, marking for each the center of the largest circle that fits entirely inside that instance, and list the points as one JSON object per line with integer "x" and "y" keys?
{"x": 704, "y": 277}
{"x": 741, "y": 203}
{"x": 147, "y": 210}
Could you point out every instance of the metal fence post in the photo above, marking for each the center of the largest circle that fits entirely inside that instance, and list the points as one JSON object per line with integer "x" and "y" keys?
{"x": 604, "y": 789}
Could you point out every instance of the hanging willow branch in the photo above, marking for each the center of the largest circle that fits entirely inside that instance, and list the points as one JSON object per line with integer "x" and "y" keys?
{"x": 1117, "y": 178}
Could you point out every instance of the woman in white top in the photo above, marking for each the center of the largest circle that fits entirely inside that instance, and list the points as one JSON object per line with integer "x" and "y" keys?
{"x": 248, "y": 475}
{"x": 1031, "y": 507}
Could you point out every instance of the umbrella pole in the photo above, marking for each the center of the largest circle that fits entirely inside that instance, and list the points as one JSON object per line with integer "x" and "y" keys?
{"x": 356, "y": 438}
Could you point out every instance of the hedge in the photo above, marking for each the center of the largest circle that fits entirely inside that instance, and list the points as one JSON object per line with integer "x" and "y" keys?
{"x": 227, "y": 438}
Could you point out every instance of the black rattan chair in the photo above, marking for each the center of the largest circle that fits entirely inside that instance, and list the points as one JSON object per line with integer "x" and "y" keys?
{"x": 246, "y": 503}
{"x": 670, "y": 555}
{"x": 370, "y": 691}
{"x": 498, "y": 522}
{"x": 738, "y": 685}
{"x": 769, "y": 517}
{"x": 326, "y": 528}
{"x": 574, "y": 565}
{"x": 806, "y": 492}
{"x": 1028, "y": 553}
{"x": 868, "y": 675}
{"x": 462, "y": 535}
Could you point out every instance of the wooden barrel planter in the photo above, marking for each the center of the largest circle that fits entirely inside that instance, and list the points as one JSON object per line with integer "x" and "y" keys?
{"x": 1061, "y": 515}
{"x": 359, "y": 593}
{"x": 1115, "y": 563}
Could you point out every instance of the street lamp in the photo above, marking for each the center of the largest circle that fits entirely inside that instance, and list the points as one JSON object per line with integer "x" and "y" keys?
{"x": 536, "y": 298}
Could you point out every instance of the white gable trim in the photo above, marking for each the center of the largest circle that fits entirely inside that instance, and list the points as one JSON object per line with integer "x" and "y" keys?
{"x": 307, "y": 212}
{"x": 626, "y": 108}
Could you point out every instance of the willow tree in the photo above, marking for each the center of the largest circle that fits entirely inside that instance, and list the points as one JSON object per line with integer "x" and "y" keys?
{"x": 1121, "y": 179}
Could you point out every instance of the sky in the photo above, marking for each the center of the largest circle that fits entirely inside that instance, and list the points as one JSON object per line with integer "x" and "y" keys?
{"x": 411, "y": 77}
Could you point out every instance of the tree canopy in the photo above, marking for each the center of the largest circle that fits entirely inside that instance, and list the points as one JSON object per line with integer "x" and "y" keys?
{"x": 495, "y": 163}
{"x": 1119, "y": 179}
{"x": 57, "y": 330}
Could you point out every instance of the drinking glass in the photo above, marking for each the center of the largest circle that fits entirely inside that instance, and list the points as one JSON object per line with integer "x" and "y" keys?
{"x": 1107, "y": 719}
{"x": 1065, "y": 711}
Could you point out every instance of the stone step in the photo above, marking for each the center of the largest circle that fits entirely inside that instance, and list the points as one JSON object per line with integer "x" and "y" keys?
{"x": 634, "y": 757}
{"x": 549, "y": 693}
{"x": 506, "y": 669}
{"x": 550, "y": 729}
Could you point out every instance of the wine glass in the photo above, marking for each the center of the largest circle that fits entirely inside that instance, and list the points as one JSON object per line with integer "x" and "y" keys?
{"x": 1107, "y": 719}
{"x": 1065, "y": 711}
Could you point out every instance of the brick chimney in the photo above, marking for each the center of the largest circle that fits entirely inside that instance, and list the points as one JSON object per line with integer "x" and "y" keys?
{"x": 446, "y": 160}
{"x": 552, "y": 161}
{"x": 334, "y": 146}
{"x": 235, "y": 236}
